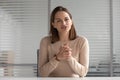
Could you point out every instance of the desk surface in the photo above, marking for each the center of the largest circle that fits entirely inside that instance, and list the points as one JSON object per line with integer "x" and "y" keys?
{"x": 85, "y": 78}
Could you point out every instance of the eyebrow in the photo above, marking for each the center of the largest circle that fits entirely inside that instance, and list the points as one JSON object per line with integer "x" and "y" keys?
{"x": 59, "y": 18}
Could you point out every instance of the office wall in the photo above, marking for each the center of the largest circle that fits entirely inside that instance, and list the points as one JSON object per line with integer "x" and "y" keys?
{"x": 22, "y": 25}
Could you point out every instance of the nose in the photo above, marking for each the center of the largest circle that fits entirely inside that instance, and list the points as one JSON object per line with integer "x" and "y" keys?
{"x": 63, "y": 22}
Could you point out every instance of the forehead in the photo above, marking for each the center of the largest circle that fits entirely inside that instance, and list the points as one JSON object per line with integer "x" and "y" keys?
{"x": 61, "y": 14}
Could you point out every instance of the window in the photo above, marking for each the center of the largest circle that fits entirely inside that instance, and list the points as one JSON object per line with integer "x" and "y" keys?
{"x": 22, "y": 24}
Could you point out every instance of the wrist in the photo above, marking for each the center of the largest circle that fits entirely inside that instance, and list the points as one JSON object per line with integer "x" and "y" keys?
{"x": 57, "y": 58}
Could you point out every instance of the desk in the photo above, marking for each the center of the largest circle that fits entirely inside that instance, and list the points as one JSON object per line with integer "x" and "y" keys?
{"x": 85, "y": 78}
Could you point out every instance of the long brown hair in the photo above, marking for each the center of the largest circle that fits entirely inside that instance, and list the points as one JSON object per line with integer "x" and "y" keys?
{"x": 53, "y": 31}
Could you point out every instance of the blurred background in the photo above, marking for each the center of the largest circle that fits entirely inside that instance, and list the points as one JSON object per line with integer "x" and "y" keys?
{"x": 24, "y": 22}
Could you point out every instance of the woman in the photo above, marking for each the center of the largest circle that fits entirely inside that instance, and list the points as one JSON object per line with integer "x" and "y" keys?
{"x": 63, "y": 53}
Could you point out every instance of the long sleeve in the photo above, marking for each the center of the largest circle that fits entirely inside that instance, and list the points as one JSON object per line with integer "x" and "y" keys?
{"x": 81, "y": 67}
{"x": 45, "y": 66}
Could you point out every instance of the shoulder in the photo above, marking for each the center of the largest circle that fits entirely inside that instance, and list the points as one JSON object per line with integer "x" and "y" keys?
{"x": 82, "y": 39}
{"x": 45, "y": 39}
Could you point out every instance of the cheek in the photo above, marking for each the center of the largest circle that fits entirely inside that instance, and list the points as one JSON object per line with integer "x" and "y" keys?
{"x": 70, "y": 24}
{"x": 54, "y": 25}
{"x": 57, "y": 26}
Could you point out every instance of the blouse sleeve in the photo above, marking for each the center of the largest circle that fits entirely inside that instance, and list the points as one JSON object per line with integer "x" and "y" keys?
{"x": 45, "y": 66}
{"x": 81, "y": 67}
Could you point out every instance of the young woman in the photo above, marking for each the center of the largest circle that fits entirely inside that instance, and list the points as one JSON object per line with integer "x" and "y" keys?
{"x": 63, "y": 53}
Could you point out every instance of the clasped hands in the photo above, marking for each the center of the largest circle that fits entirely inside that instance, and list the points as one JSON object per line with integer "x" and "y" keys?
{"x": 65, "y": 52}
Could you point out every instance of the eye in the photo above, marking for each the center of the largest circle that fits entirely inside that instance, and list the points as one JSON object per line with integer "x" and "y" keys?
{"x": 58, "y": 21}
{"x": 66, "y": 19}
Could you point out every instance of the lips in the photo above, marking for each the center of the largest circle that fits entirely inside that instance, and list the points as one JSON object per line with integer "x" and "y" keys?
{"x": 63, "y": 27}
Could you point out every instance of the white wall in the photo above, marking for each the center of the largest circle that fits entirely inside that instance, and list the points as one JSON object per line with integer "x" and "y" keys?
{"x": 34, "y": 28}
{"x": 23, "y": 25}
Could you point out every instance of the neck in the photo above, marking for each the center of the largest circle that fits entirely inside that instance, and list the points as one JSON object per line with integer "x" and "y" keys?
{"x": 64, "y": 37}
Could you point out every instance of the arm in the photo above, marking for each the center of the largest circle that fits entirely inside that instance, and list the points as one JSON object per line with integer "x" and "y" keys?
{"x": 81, "y": 67}
{"x": 45, "y": 66}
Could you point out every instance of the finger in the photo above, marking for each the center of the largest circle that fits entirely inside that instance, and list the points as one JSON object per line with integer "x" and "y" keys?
{"x": 62, "y": 47}
{"x": 67, "y": 55}
{"x": 67, "y": 52}
{"x": 67, "y": 49}
{"x": 62, "y": 50}
{"x": 66, "y": 44}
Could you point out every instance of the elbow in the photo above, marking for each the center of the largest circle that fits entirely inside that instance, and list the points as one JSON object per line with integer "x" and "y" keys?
{"x": 84, "y": 72}
{"x": 42, "y": 73}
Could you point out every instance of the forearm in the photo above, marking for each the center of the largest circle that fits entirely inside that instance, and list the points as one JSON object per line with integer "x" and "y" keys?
{"x": 47, "y": 68}
{"x": 78, "y": 68}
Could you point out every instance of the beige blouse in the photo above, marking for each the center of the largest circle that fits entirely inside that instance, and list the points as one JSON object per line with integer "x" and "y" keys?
{"x": 77, "y": 66}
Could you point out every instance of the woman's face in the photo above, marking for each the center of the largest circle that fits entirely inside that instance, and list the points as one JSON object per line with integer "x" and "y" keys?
{"x": 62, "y": 22}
